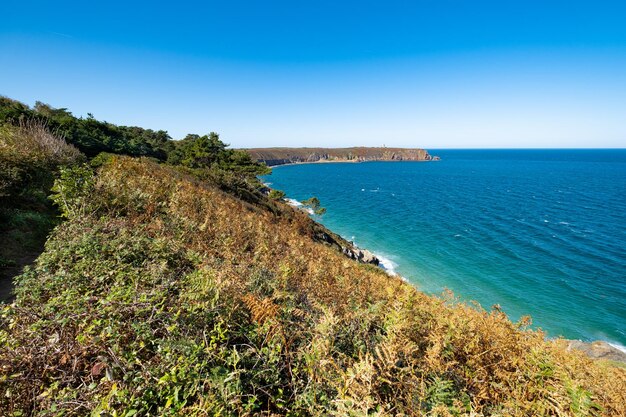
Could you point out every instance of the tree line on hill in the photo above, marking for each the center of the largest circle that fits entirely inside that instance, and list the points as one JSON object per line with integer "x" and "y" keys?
{"x": 92, "y": 137}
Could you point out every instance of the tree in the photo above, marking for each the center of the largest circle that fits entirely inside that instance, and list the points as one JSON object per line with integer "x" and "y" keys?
{"x": 201, "y": 151}
{"x": 276, "y": 194}
{"x": 314, "y": 204}
{"x": 92, "y": 136}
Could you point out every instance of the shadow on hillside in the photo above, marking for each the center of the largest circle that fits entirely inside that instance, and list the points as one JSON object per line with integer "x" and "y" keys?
{"x": 7, "y": 273}
{"x": 23, "y": 234}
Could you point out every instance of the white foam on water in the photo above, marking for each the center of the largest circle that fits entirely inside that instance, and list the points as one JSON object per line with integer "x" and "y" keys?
{"x": 295, "y": 203}
{"x": 387, "y": 264}
{"x": 617, "y": 346}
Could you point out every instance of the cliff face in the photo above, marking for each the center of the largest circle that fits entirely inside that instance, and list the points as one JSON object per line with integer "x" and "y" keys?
{"x": 598, "y": 350}
{"x": 281, "y": 156}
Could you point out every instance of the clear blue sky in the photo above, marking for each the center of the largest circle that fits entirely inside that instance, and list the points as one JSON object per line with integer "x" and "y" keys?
{"x": 431, "y": 74}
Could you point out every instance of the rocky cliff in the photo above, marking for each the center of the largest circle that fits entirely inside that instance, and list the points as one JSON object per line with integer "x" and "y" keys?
{"x": 281, "y": 156}
{"x": 598, "y": 350}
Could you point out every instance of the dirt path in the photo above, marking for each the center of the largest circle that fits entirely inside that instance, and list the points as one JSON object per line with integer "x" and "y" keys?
{"x": 8, "y": 273}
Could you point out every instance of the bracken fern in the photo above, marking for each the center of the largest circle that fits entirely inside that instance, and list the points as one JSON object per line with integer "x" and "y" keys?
{"x": 171, "y": 297}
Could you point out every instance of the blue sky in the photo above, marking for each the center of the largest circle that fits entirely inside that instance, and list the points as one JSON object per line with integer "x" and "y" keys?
{"x": 434, "y": 74}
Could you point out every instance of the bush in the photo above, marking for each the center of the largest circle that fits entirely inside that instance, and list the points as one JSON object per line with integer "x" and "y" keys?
{"x": 29, "y": 154}
{"x": 276, "y": 195}
{"x": 30, "y": 157}
{"x": 315, "y": 205}
{"x": 102, "y": 158}
{"x": 73, "y": 191}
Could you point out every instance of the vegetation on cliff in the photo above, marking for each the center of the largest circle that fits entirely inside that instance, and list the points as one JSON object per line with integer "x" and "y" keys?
{"x": 163, "y": 295}
{"x": 34, "y": 148}
{"x": 280, "y": 156}
{"x": 30, "y": 156}
{"x": 184, "y": 290}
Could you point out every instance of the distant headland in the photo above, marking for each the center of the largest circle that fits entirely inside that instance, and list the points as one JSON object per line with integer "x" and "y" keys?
{"x": 283, "y": 156}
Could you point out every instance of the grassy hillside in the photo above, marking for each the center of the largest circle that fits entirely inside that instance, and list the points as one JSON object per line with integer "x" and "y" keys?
{"x": 29, "y": 158}
{"x": 35, "y": 143}
{"x": 165, "y": 295}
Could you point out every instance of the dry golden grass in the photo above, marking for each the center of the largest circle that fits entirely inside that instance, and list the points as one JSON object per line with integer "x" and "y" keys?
{"x": 32, "y": 141}
{"x": 28, "y": 152}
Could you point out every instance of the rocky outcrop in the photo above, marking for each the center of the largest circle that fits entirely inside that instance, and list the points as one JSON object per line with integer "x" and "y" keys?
{"x": 598, "y": 350}
{"x": 323, "y": 235}
{"x": 361, "y": 255}
{"x": 282, "y": 156}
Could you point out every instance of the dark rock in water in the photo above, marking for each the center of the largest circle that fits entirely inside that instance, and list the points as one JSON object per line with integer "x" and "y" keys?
{"x": 369, "y": 258}
{"x": 598, "y": 350}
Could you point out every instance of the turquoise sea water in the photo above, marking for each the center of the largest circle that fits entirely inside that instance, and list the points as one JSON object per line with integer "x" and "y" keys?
{"x": 539, "y": 232}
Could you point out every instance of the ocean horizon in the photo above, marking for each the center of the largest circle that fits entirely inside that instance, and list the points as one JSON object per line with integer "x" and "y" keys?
{"x": 537, "y": 232}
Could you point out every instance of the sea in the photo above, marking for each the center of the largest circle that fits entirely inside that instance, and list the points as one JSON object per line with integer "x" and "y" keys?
{"x": 536, "y": 232}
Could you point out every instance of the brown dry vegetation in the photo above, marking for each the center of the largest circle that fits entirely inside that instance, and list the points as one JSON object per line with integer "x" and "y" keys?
{"x": 28, "y": 152}
{"x": 166, "y": 296}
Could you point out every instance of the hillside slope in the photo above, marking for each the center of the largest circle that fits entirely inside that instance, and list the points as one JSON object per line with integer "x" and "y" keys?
{"x": 162, "y": 295}
{"x": 30, "y": 156}
{"x": 281, "y": 156}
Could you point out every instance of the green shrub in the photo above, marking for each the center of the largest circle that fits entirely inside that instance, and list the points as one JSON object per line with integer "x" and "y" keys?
{"x": 276, "y": 195}
{"x": 29, "y": 156}
{"x": 73, "y": 191}
{"x": 101, "y": 159}
{"x": 315, "y": 205}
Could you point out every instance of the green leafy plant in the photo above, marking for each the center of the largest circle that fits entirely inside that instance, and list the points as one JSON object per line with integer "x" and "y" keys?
{"x": 276, "y": 195}
{"x": 73, "y": 191}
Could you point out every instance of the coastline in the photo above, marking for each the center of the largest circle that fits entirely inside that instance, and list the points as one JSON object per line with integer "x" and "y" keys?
{"x": 317, "y": 162}
{"x": 277, "y": 156}
{"x": 594, "y": 349}
{"x": 334, "y": 161}
{"x": 380, "y": 261}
